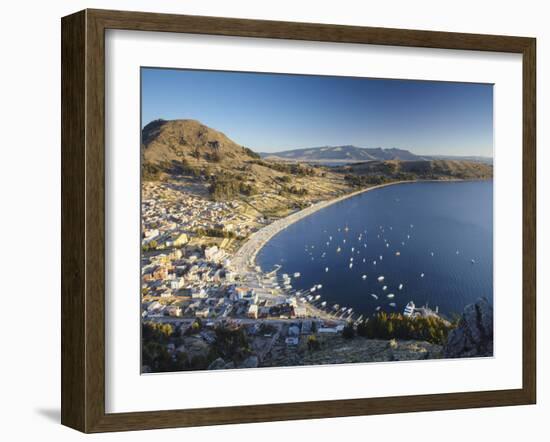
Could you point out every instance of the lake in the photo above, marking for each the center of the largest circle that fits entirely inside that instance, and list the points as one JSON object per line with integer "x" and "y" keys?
{"x": 433, "y": 238}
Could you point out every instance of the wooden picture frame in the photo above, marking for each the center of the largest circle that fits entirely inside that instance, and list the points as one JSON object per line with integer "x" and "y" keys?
{"x": 83, "y": 220}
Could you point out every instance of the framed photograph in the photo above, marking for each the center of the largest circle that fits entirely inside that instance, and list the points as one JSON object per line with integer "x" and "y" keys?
{"x": 268, "y": 220}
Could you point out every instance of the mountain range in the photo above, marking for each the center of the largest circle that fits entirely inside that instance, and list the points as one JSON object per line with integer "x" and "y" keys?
{"x": 346, "y": 154}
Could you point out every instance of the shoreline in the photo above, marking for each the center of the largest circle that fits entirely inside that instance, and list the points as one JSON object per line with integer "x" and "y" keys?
{"x": 245, "y": 257}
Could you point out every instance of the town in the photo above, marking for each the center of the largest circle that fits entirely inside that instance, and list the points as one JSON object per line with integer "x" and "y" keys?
{"x": 189, "y": 279}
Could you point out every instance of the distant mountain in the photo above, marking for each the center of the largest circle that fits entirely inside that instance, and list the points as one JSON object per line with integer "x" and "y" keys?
{"x": 342, "y": 154}
{"x": 350, "y": 154}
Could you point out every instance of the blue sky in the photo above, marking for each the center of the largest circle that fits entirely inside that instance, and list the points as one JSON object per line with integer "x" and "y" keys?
{"x": 273, "y": 112}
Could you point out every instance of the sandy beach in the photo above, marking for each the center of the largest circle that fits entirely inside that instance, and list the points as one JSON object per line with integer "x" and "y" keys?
{"x": 244, "y": 259}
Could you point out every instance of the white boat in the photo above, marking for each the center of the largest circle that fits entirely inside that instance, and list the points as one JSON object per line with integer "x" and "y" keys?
{"x": 380, "y": 278}
{"x": 317, "y": 297}
{"x": 338, "y": 250}
{"x": 400, "y": 287}
{"x": 326, "y": 269}
{"x": 457, "y": 252}
{"x": 324, "y": 304}
{"x": 473, "y": 261}
{"x": 350, "y": 265}
{"x": 391, "y": 295}
{"x": 319, "y": 286}
{"x": 344, "y": 241}
{"x": 378, "y": 308}
{"x": 431, "y": 253}
{"x": 385, "y": 288}
{"x": 398, "y": 253}
{"x": 380, "y": 257}
{"x": 409, "y": 309}
{"x": 364, "y": 276}
{"x": 351, "y": 259}
{"x": 330, "y": 238}
{"x": 374, "y": 262}
{"x": 374, "y": 296}
{"x": 364, "y": 259}
{"x": 353, "y": 249}
{"x": 422, "y": 275}
{"x": 392, "y": 304}
{"x": 297, "y": 274}
{"x": 387, "y": 245}
{"x": 312, "y": 289}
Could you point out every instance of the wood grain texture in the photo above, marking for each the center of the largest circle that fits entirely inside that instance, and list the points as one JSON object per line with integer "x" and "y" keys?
{"x": 73, "y": 254}
{"x": 83, "y": 219}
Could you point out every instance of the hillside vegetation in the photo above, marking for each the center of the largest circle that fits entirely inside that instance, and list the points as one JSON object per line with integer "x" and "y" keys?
{"x": 216, "y": 166}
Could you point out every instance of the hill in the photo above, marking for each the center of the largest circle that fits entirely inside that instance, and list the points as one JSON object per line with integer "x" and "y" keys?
{"x": 342, "y": 154}
{"x": 373, "y": 172}
{"x": 213, "y": 164}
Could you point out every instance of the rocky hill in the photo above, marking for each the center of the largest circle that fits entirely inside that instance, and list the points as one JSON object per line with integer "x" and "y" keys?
{"x": 167, "y": 143}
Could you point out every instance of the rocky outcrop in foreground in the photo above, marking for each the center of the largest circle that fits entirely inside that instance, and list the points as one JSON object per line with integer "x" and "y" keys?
{"x": 474, "y": 335}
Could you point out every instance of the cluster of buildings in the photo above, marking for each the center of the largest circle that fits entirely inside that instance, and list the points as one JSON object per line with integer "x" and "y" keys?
{"x": 185, "y": 278}
{"x": 170, "y": 216}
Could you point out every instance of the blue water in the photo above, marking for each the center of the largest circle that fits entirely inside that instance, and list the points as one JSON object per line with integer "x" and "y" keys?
{"x": 454, "y": 220}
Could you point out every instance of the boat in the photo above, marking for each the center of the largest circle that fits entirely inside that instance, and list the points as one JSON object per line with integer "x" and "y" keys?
{"x": 431, "y": 253}
{"x": 326, "y": 269}
{"x": 324, "y": 304}
{"x": 380, "y": 278}
{"x": 374, "y": 296}
{"x": 387, "y": 244}
{"x": 473, "y": 261}
{"x": 350, "y": 265}
{"x": 351, "y": 259}
{"x": 364, "y": 259}
{"x": 344, "y": 241}
{"x": 319, "y": 286}
{"x": 338, "y": 250}
{"x": 364, "y": 276}
{"x": 391, "y": 295}
{"x": 312, "y": 289}
{"x": 378, "y": 308}
{"x": 317, "y": 297}
{"x": 409, "y": 309}
{"x": 297, "y": 274}
{"x": 335, "y": 306}
{"x": 380, "y": 257}
{"x": 385, "y": 288}
{"x": 422, "y": 275}
{"x": 400, "y": 287}
{"x": 353, "y": 249}
{"x": 392, "y": 304}
{"x": 457, "y": 252}
{"x": 398, "y": 253}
